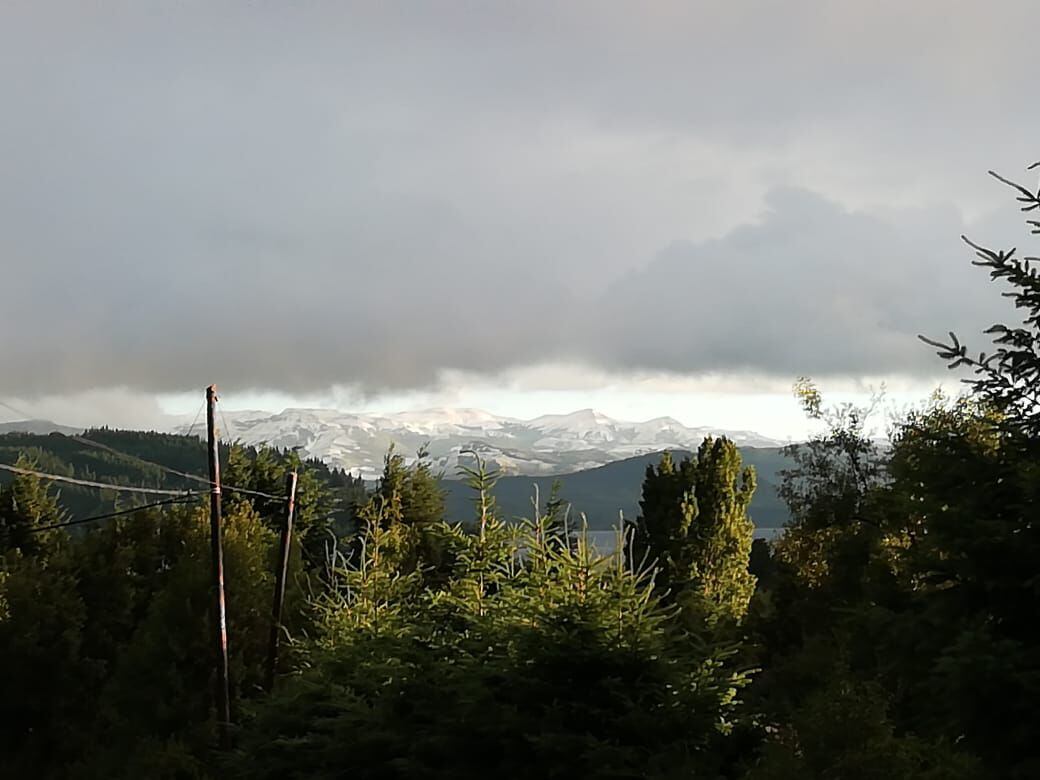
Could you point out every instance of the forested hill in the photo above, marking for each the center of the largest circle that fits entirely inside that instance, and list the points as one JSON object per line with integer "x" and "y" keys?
{"x": 601, "y": 493}
{"x": 132, "y": 458}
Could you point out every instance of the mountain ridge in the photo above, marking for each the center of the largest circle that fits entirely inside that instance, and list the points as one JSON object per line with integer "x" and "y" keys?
{"x": 549, "y": 444}
{"x": 38, "y": 426}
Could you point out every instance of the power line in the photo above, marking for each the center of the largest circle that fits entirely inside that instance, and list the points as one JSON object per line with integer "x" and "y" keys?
{"x": 17, "y": 411}
{"x": 197, "y": 415}
{"x": 128, "y": 456}
{"x": 107, "y": 515}
{"x": 184, "y": 474}
{"x": 227, "y": 427}
{"x": 247, "y": 492}
{"x": 101, "y": 485}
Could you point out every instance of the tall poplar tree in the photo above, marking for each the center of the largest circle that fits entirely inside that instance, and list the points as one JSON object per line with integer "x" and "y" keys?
{"x": 693, "y": 526}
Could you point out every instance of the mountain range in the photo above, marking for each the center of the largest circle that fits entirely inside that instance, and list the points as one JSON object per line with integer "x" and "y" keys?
{"x": 546, "y": 445}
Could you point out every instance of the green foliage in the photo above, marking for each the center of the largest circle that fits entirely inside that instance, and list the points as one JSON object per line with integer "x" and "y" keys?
{"x": 407, "y": 505}
{"x": 843, "y": 732}
{"x": 694, "y": 527}
{"x": 415, "y": 489}
{"x": 45, "y": 681}
{"x": 967, "y": 490}
{"x": 1008, "y": 379}
{"x": 831, "y": 491}
{"x": 917, "y": 568}
{"x": 482, "y": 482}
{"x": 834, "y": 472}
{"x": 316, "y": 517}
{"x": 26, "y": 508}
{"x": 914, "y": 574}
{"x": 554, "y": 663}
{"x": 327, "y": 496}
{"x": 602, "y": 493}
{"x": 551, "y": 524}
{"x": 838, "y": 621}
{"x": 105, "y": 644}
{"x": 722, "y": 584}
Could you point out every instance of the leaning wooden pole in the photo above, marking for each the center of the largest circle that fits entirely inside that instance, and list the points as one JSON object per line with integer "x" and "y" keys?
{"x": 279, "y": 578}
{"x": 222, "y": 694}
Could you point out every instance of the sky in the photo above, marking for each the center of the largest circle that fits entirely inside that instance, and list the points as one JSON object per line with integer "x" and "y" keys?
{"x": 654, "y": 208}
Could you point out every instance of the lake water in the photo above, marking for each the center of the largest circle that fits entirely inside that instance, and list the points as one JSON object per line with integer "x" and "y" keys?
{"x": 606, "y": 541}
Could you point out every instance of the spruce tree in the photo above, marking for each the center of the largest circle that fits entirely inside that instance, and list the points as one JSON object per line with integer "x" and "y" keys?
{"x": 416, "y": 487}
{"x": 26, "y": 506}
{"x": 567, "y": 667}
{"x": 1008, "y": 378}
{"x": 667, "y": 511}
{"x": 409, "y": 501}
{"x": 555, "y": 515}
{"x": 265, "y": 469}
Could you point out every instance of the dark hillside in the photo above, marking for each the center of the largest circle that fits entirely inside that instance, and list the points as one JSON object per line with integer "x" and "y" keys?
{"x": 602, "y": 492}
{"x": 125, "y": 457}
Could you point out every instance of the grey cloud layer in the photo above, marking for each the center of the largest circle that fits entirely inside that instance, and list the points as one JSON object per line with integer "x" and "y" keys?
{"x": 811, "y": 288}
{"x": 296, "y": 197}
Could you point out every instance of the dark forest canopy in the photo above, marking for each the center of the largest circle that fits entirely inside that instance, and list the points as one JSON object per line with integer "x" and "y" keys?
{"x": 143, "y": 459}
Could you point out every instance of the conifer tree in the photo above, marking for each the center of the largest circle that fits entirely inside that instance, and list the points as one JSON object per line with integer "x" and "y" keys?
{"x": 1008, "y": 378}
{"x": 410, "y": 497}
{"x": 567, "y": 667}
{"x": 264, "y": 469}
{"x": 415, "y": 487}
{"x": 662, "y": 531}
{"x": 484, "y": 557}
{"x": 555, "y": 515}
{"x": 26, "y": 505}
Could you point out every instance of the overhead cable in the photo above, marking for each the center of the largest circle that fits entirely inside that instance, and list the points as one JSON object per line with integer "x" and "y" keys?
{"x": 197, "y": 415}
{"x": 101, "y": 485}
{"x": 107, "y": 515}
{"x": 184, "y": 474}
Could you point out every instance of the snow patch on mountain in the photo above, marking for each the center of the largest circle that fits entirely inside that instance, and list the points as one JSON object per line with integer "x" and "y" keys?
{"x": 550, "y": 444}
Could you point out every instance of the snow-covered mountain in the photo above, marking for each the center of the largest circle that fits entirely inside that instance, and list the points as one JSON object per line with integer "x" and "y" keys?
{"x": 551, "y": 444}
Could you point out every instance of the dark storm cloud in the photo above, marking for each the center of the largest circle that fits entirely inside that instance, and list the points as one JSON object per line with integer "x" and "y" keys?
{"x": 291, "y": 196}
{"x": 810, "y": 289}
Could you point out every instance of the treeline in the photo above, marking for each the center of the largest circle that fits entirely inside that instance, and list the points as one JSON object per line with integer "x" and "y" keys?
{"x": 152, "y": 459}
{"x": 889, "y": 633}
{"x": 144, "y": 458}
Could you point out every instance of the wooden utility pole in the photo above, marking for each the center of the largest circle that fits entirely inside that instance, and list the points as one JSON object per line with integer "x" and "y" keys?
{"x": 222, "y": 693}
{"x": 279, "y": 579}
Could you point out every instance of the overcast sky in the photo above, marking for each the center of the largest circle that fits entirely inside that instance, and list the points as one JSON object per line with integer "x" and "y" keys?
{"x": 651, "y": 206}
